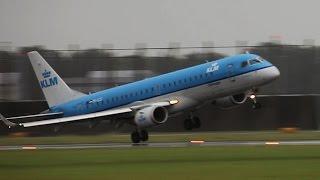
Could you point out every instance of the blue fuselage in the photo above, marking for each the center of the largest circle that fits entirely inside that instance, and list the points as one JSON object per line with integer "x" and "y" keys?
{"x": 163, "y": 84}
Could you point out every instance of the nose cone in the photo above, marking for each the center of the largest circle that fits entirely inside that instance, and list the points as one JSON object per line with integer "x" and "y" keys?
{"x": 268, "y": 75}
{"x": 274, "y": 73}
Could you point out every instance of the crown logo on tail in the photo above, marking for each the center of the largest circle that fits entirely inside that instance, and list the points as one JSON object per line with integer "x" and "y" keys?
{"x": 46, "y": 74}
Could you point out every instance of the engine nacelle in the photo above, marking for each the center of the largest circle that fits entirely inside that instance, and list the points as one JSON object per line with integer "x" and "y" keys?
{"x": 231, "y": 101}
{"x": 151, "y": 116}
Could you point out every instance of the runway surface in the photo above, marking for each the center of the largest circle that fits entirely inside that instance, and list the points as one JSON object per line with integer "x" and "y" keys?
{"x": 160, "y": 145}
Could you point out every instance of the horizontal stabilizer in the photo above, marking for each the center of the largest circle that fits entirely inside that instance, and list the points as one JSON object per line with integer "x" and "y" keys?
{"x": 7, "y": 122}
{"x": 46, "y": 115}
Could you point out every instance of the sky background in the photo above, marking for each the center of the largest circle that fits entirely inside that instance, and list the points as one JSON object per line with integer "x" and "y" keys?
{"x": 123, "y": 23}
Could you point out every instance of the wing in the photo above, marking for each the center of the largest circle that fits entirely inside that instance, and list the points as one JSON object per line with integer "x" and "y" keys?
{"x": 286, "y": 95}
{"x": 106, "y": 113}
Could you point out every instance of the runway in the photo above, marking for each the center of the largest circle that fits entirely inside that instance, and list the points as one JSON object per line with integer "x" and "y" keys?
{"x": 160, "y": 145}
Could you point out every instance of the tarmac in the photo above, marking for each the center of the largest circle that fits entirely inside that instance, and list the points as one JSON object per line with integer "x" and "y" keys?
{"x": 160, "y": 145}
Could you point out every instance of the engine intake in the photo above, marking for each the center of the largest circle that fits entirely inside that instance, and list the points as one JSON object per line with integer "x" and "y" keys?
{"x": 231, "y": 101}
{"x": 151, "y": 116}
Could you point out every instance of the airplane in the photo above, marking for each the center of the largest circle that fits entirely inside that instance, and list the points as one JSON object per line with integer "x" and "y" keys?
{"x": 227, "y": 82}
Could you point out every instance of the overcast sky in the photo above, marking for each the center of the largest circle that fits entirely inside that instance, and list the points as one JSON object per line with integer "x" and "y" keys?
{"x": 90, "y": 23}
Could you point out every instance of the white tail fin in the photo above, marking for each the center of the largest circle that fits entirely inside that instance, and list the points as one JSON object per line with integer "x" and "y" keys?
{"x": 55, "y": 90}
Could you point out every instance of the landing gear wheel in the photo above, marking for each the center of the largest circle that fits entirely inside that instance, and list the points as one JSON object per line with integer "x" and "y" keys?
{"x": 135, "y": 137}
{"x": 256, "y": 106}
{"x": 188, "y": 125}
{"x": 144, "y": 136}
{"x": 192, "y": 123}
{"x": 196, "y": 122}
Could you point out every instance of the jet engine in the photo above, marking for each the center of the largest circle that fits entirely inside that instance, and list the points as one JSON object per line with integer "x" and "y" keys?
{"x": 231, "y": 101}
{"x": 151, "y": 116}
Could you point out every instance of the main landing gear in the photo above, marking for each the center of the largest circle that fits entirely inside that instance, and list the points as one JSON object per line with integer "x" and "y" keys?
{"x": 137, "y": 136}
{"x": 192, "y": 123}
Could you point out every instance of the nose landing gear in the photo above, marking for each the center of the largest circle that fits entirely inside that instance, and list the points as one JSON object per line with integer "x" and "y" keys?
{"x": 255, "y": 103}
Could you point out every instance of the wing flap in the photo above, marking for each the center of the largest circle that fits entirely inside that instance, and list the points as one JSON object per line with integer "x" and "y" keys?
{"x": 164, "y": 104}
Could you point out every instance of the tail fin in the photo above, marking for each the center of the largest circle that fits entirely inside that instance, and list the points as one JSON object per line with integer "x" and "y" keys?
{"x": 55, "y": 90}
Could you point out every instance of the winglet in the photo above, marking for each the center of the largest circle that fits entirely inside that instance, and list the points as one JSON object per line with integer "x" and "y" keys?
{"x": 7, "y": 122}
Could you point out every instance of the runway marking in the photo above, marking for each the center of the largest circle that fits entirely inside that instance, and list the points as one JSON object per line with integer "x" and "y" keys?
{"x": 272, "y": 143}
{"x": 159, "y": 145}
{"x": 197, "y": 142}
{"x": 29, "y": 147}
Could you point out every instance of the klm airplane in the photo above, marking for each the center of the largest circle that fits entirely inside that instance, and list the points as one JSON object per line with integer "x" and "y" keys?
{"x": 227, "y": 82}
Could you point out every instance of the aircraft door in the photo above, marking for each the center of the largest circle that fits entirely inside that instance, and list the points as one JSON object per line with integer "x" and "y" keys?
{"x": 231, "y": 72}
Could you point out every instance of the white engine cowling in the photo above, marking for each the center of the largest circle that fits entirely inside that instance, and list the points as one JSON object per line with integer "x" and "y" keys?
{"x": 151, "y": 116}
{"x": 231, "y": 101}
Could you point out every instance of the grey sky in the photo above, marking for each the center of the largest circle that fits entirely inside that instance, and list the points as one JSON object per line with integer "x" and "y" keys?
{"x": 90, "y": 23}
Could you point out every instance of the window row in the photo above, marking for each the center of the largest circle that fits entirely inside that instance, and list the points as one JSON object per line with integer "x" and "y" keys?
{"x": 156, "y": 88}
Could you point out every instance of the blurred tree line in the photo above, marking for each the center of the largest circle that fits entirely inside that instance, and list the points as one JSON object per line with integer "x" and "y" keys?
{"x": 299, "y": 66}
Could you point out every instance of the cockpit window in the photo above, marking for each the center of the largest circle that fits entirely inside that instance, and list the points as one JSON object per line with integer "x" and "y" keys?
{"x": 260, "y": 58}
{"x": 255, "y": 61}
{"x": 244, "y": 64}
